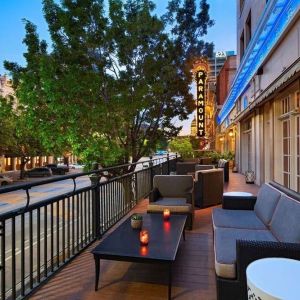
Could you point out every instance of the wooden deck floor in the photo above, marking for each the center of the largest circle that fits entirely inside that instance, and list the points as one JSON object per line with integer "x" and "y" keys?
{"x": 193, "y": 272}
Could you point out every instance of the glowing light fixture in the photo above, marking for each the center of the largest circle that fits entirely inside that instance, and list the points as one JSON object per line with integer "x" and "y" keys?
{"x": 274, "y": 20}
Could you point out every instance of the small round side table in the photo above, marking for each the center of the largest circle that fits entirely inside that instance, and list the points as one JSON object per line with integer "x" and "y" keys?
{"x": 273, "y": 279}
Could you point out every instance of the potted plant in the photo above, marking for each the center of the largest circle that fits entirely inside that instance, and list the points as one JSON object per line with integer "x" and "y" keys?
{"x": 136, "y": 221}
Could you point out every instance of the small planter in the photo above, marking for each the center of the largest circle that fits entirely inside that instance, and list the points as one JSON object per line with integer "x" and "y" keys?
{"x": 136, "y": 221}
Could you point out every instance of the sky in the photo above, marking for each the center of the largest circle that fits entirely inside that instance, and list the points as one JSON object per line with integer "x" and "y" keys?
{"x": 222, "y": 34}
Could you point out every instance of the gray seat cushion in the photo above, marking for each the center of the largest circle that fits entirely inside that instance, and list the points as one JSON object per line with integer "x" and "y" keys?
{"x": 225, "y": 247}
{"x": 242, "y": 219}
{"x": 173, "y": 204}
{"x": 285, "y": 224}
{"x": 170, "y": 201}
{"x": 267, "y": 199}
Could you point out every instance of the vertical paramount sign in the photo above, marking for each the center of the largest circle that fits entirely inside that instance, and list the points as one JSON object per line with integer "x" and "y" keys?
{"x": 200, "y": 82}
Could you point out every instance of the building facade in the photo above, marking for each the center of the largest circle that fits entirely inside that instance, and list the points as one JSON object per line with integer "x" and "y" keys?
{"x": 225, "y": 142}
{"x": 262, "y": 109}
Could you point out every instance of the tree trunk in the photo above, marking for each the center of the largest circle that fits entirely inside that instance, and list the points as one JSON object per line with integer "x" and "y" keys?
{"x": 24, "y": 161}
{"x": 66, "y": 160}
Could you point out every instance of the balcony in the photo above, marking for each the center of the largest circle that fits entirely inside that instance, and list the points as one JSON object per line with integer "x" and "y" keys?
{"x": 193, "y": 272}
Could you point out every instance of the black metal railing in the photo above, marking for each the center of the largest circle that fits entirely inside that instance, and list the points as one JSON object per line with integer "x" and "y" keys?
{"x": 45, "y": 233}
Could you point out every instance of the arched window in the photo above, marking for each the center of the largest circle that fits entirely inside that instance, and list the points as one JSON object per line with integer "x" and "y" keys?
{"x": 245, "y": 102}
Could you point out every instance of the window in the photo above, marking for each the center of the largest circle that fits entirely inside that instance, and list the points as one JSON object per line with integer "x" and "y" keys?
{"x": 298, "y": 153}
{"x": 245, "y": 102}
{"x": 238, "y": 105}
{"x": 248, "y": 29}
{"x": 286, "y": 152}
{"x": 242, "y": 46}
{"x": 285, "y": 105}
{"x": 297, "y": 104}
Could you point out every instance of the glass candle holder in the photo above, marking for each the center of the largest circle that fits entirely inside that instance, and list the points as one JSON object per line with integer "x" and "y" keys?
{"x": 144, "y": 237}
{"x": 166, "y": 214}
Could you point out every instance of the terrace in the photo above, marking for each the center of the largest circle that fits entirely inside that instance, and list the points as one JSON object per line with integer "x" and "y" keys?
{"x": 69, "y": 271}
{"x": 193, "y": 272}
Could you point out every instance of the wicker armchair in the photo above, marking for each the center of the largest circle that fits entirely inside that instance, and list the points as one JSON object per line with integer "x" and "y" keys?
{"x": 174, "y": 192}
{"x": 208, "y": 187}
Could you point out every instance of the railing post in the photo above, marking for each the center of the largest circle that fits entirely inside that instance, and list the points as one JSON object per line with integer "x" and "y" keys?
{"x": 168, "y": 164}
{"x": 95, "y": 180}
{"x": 151, "y": 172}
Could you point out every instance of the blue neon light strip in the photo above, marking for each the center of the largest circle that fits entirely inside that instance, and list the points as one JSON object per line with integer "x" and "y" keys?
{"x": 279, "y": 18}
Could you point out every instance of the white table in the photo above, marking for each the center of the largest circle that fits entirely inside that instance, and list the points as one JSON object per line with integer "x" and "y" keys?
{"x": 273, "y": 278}
{"x": 237, "y": 194}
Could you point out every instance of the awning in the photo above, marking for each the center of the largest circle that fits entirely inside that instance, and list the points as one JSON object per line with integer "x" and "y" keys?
{"x": 289, "y": 75}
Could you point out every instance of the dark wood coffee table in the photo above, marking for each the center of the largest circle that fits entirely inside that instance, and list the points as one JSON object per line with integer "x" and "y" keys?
{"x": 123, "y": 243}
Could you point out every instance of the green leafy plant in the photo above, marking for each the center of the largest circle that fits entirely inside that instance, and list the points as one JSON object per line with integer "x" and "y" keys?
{"x": 137, "y": 217}
{"x": 182, "y": 146}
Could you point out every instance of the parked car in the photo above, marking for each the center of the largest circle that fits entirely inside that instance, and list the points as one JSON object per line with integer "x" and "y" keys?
{"x": 76, "y": 166}
{"x": 64, "y": 166}
{"x": 4, "y": 180}
{"x": 38, "y": 172}
{"x": 161, "y": 152}
{"x": 58, "y": 169}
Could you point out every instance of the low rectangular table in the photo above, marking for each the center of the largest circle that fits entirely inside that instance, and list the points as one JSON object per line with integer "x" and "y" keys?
{"x": 123, "y": 243}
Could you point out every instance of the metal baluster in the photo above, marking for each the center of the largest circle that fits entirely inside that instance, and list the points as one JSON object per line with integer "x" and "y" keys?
{"x": 68, "y": 227}
{"x": 85, "y": 219}
{"x": 22, "y": 255}
{"x": 89, "y": 216}
{"x": 38, "y": 239}
{"x": 73, "y": 226}
{"x": 51, "y": 237}
{"x": 101, "y": 208}
{"x": 13, "y": 258}
{"x": 3, "y": 269}
{"x": 30, "y": 250}
{"x": 81, "y": 221}
{"x": 57, "y": 234}
{"x": 45, "y": 241}
{"x": 64, "y": 230}
{"x": 77, "y": 223}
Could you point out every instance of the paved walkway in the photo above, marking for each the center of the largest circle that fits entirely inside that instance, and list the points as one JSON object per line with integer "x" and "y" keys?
{"x": 193, "y": 272}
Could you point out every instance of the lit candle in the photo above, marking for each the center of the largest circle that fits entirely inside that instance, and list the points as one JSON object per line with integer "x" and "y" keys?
{"x": 144, "y": 237}
{"x": 144, "y": 251}
{"x": 166, "y": 214}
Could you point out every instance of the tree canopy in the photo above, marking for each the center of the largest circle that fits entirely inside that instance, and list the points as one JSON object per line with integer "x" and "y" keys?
{"x": 112, "y": 82}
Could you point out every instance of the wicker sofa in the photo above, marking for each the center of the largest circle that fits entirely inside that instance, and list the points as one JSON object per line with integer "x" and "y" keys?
{"x": 250, "y": 228}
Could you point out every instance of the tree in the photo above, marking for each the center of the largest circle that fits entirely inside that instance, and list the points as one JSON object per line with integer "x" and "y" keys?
{"x": 113, "y": 81}
{"x": 7, "y": 124}
{"x": 183, "y": 146}
{"x": 17, "y": 138}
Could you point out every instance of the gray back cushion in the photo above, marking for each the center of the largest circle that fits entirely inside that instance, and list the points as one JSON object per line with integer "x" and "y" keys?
{"x": 285, "y": 225}
{"x": 173, "y": 185}
{"x": 267, "y": 200}
{"x": 204, "y": 167}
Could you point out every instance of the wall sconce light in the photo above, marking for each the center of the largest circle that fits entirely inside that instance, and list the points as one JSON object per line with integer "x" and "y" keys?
{"x": 221, "y": 139}
{"x": 231, "y": 133}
